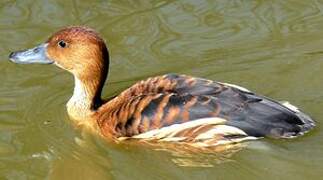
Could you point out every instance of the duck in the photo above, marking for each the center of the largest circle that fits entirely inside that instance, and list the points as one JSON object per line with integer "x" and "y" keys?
{"x": 172, "y": 108}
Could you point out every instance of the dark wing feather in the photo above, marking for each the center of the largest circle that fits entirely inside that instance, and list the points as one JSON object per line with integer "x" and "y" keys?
{"x": 257, "y": 115}
{"x": 188, "y": 99}
{"x": 194, "y": 86}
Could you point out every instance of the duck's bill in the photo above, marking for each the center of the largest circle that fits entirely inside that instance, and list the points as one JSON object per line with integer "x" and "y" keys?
{"x": 30, "y": 56}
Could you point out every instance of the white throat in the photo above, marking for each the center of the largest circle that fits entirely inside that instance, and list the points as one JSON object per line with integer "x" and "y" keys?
{"x": 79, "y": 106}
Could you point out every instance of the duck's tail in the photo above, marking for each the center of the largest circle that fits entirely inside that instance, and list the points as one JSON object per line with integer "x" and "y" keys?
{"x": 268, "y": 118}
{"x": 308, "y": 122}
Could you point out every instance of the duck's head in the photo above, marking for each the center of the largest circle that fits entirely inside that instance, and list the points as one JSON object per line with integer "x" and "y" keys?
{"x": 78, "y": 50}
{"x": 75, "y": 49}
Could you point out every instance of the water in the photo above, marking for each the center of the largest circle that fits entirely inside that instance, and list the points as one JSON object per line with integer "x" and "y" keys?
{"x": 274, "y": 48}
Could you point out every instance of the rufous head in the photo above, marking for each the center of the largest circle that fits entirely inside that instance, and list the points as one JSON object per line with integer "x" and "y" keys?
{"x": 79, "y": 50}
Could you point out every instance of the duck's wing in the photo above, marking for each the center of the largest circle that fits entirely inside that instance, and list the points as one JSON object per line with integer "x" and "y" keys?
{"x": 178, "y": 84}
{"x": 189, "y": 113}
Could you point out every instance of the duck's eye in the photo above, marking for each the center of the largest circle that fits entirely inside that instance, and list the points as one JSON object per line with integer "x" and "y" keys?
{"x": 62, "y": 44}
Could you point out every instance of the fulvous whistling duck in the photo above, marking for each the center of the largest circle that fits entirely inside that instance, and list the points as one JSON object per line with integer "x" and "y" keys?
{"x": 172, "y": 108}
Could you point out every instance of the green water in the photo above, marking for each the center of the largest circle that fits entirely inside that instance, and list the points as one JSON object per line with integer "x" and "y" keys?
{"x": 274, "y": 48}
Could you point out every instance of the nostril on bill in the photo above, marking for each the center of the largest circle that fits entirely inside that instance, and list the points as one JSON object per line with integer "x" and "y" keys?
{"x": 36, "y": 50}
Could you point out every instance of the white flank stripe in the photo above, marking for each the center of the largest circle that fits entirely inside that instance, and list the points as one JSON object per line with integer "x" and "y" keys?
{"x": 205, "y": 139}
{"x": 221, "y": 130}
{"x": 169, "y": 131}
{"x": 169, "y": 139}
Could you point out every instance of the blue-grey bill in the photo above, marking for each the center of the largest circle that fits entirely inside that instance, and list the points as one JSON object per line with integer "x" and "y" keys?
{"x": 33, "y": 55}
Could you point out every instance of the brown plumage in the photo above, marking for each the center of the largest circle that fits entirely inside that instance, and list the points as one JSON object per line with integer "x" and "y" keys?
{"x": 171, "y": 107}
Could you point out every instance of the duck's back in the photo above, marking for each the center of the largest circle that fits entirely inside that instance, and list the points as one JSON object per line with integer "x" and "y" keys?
{"x": 182, "y": 108}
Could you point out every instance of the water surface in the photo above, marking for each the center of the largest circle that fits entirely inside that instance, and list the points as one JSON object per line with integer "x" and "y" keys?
{"x": 274, "y": 48}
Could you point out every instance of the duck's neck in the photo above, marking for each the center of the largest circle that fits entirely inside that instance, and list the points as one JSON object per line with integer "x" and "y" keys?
{"x": 86, "y": 98}
{"x": 81, "y": 103}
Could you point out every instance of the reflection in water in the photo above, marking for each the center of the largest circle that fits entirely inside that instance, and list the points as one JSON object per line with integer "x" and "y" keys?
{"x": 271, "y": 47}
{"x": 186, "y": 155}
